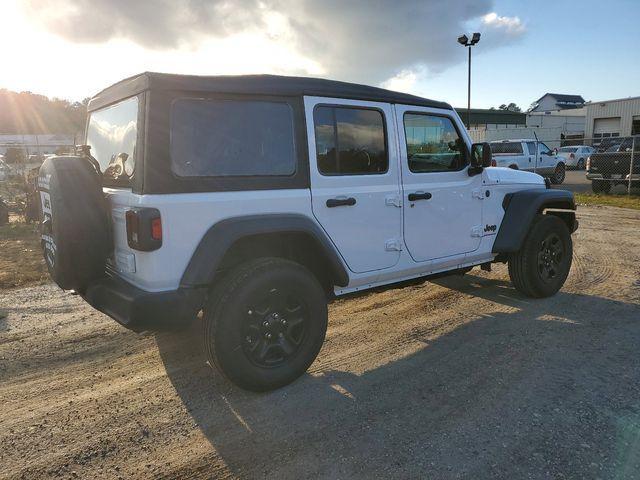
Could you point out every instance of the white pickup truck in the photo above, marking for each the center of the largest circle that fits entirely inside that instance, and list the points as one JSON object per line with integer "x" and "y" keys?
{"x": 529, "y": 155}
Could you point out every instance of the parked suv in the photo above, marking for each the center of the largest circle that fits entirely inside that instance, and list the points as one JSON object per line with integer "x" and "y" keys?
{"x": 529, "y": 155}
{"x": 255, "y": 199}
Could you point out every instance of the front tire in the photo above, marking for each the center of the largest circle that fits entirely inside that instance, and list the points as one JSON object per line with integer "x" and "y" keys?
{"x": 265, "y": 323}
{"x": 558, "y": 174}
{"x": 541, "y": 266}
{"x": 580, "y": 164}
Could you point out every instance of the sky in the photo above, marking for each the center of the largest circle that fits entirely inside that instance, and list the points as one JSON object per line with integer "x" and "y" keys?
{"x": 73, "y": 48}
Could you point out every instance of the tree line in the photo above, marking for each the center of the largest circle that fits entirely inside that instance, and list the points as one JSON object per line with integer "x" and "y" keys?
{"x": 27, "y": 113}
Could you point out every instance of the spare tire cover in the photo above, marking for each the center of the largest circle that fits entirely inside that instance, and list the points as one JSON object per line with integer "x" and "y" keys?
{"x": 76, "y": 238}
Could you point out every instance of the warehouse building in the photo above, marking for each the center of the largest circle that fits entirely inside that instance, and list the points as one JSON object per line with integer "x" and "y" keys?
{"x": 482, "y": 118}
{"x": 42, "y": 144}
{"x": 612, "y": 118}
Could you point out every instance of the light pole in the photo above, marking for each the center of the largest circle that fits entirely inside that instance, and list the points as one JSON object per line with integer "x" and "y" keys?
{"x": 465, "y": 42}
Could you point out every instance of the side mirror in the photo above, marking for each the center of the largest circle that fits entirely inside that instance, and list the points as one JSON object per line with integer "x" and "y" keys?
{"x": 480, "y": 155}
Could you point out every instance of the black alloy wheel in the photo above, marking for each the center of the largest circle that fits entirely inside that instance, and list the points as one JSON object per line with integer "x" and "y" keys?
{"x": 550, "y": 257}
{"x": 274, "y": 327}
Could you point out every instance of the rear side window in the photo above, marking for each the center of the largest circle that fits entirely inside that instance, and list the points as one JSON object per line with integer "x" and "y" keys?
{"x": 433, "y": 144}
{"x": 506, "y": 148}
{"x": 112, "y": 133}
{"x": 218, "y": 138}
{"x": 531, "y": 146}
{"x": 350, "y": 141}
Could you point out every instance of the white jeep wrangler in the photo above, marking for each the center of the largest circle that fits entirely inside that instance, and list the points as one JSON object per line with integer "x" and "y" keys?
{"x": 255, "y": 199}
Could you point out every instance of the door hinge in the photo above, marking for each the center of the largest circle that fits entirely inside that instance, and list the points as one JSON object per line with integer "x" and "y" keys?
{"x": 393, "y": 245}
{"x": 478, "y": 193}
{"x": 476, "y": 231}
{"x": 393, "y": 201}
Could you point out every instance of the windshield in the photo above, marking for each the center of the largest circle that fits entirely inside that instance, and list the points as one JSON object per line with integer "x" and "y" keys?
{"x": 112, "y": 134}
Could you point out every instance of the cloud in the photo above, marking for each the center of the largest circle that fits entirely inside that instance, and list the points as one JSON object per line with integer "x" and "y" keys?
{"x": 368, "y": 41}
{"x": 404, "y": 81}
{"x": 509, "y": 25}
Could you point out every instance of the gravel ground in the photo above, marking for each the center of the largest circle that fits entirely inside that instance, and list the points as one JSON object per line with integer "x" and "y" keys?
{"x": 457, "y": 378}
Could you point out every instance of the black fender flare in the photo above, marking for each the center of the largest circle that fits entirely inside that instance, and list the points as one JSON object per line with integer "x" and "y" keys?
{"x": 220, "y": 237}
{"x": 521, "y": 208}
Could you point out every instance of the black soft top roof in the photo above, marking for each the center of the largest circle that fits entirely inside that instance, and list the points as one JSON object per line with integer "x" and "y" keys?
{"x": 254, "y": 84}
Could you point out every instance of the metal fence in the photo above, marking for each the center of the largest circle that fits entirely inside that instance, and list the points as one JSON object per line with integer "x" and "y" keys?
{"x": 19, "y": 165}
{"x": 608, "y": 162}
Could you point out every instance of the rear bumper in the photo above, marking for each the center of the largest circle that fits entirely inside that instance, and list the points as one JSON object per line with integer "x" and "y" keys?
{"x": 620, "y": 178}
{"x": 140, "y": 310}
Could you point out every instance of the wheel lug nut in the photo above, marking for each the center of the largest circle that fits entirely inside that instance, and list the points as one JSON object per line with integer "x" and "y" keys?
{"x": 250, "y": 312}
{"x": 265, "y": 324}
{"x": 283, "y": 321}
{"x": 267, "y": 336}
{"x": 248, "y": 339}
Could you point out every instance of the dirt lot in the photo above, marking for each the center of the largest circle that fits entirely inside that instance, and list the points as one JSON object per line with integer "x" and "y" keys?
{"x": 456, "y": 378}
{"x": 21, "y": 261}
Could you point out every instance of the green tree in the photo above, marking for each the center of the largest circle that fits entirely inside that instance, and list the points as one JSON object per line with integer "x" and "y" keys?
{"x": 28, "y": 113}
{"x": 512, "y": 107}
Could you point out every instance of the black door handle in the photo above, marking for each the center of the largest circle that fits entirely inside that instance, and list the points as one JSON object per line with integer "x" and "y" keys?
{"x": 341, "y": 202}
{"x": 419, "y": 196}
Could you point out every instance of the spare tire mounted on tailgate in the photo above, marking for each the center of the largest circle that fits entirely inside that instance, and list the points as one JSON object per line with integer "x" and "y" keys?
{"x": 75, "y": 221}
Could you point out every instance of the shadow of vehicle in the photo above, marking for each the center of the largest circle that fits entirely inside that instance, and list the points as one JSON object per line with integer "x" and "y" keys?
{"x": 547, "y": 390}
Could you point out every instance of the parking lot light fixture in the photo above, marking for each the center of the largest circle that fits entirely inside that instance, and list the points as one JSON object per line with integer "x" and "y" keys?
{"x": 465, "y": 42}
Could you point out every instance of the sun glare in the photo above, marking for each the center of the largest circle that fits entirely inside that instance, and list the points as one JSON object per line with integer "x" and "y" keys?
{"x": 44, "y": 63}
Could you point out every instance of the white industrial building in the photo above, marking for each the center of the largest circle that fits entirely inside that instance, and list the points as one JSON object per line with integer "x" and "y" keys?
{"x": 612, "y": 118}
{"x": 554, "y": 127}
{"x": 550, "y": 102}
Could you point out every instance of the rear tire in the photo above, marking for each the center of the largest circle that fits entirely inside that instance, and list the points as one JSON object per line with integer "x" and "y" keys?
{"x": 600, "y": 186}
{"x": 541, "y": 266}
{"x": 265, "y": 323}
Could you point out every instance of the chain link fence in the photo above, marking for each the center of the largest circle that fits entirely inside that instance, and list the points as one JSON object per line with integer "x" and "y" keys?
{"x": 19, "y": 165}
{"x": 610, "y": 163}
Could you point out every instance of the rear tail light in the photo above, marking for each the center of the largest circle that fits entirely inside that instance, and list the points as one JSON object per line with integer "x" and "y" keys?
{"x": 144, "y": 229}
{"x": 493, "y": 162}
{"x": 156, "y": 228}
